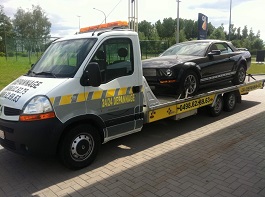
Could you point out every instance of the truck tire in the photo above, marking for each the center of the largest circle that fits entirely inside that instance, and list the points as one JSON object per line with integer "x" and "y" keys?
{"x": 230, "y": 100}
{"x": 189, "y": 84}
{"x": 240, "y": 75}
{"x": 217, "y": 108}
{"x": 79, "y": 146}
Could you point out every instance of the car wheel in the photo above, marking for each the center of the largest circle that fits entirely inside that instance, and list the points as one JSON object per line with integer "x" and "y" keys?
{"x": 240, "y": 75}
{"x": 230, "y": 100}
{"x": 79, "y": 146}
{"x": 217, "y": 108}
{"x": 189, "y": 85}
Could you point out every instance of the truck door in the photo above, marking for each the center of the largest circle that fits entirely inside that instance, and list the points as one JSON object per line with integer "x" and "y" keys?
{"x": 119, "y": 95}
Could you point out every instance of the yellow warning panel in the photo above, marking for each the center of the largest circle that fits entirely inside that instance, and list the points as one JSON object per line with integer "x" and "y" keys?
{"x": 195, "y": 103}
{"x": 179, "y": 108}
{"x": 254, "y": 86}
{"x": 162, "y": 113}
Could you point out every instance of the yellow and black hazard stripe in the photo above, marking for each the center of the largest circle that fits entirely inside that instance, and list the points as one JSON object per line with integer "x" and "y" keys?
{"x": 118, "y": 95}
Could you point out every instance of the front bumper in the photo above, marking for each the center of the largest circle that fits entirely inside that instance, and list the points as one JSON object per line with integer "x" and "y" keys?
{"x": 161, "y": 83}
{"x": 33, "y": 138}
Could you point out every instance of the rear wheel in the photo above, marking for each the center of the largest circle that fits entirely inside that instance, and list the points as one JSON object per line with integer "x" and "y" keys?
{"x": 240, "y": 75}
{"x": 79, "y": 146}
{"x": 217, "y": 108}
{"x": 189, "y": 85}
{"x": 230, "y": 100}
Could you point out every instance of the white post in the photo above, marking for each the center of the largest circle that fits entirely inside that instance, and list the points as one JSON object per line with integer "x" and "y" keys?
{"x": 177, "y": 33}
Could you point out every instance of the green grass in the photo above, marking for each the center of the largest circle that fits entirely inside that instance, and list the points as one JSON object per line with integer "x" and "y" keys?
{"x": 11, "y": 68}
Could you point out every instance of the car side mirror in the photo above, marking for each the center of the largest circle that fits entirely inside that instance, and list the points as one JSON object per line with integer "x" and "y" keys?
{"x": 91, "y": 75}
{"x": 214, "y": 52}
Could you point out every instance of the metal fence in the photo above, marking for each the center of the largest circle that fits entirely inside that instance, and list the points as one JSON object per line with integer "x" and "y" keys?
{"x": 21, "y": 48}
{"x": 152, "y": 48}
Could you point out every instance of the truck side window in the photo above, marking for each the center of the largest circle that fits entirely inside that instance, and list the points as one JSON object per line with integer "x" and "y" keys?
{"x": 115, "y": 58}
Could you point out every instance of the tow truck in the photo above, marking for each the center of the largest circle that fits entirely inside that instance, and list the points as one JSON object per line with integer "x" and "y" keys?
{"x": 88, "y": 89}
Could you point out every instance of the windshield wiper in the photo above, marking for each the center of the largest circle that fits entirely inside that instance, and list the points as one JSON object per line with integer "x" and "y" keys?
{"x": 48, "y": 73}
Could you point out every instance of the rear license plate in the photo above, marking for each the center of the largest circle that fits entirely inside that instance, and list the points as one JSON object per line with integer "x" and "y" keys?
{"x": 2, "y": 134}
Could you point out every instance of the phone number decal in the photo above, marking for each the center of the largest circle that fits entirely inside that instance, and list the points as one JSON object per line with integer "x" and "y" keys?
{"x": 194, "y": 104}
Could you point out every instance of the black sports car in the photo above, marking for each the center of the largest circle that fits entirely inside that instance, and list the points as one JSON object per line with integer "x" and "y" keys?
{"x": 186, "y": 66}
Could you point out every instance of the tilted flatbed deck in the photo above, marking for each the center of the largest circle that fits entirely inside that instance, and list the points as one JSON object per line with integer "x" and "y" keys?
{"x": 158, "y": 107}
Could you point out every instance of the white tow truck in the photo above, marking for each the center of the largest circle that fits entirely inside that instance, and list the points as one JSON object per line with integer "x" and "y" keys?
{"x": 88, "y": 89}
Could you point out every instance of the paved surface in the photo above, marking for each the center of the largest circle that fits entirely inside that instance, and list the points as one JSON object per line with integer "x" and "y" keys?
{"x": 197, "y": 156}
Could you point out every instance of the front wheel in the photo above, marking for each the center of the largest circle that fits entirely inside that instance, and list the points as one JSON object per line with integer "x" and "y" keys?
{"x": 240, "y": 75}
{"x": 79, "y": 146}
{"x": 189, "y": 85}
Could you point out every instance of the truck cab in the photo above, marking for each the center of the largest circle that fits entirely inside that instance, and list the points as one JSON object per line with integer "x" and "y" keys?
{"x": 85, "y": 90}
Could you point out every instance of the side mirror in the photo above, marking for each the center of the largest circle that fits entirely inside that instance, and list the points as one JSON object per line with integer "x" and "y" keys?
{"x": 91, "y": 75}
{"x": 214, "y": 52}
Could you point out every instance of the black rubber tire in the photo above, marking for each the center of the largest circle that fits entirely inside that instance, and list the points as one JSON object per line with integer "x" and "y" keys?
{"x": 216, "y": 110}
{"x": 230, "y": 100}
{"x": 79, "y": 146}
{"x": 189, "y": 82}
{"x": 240, "y": 75}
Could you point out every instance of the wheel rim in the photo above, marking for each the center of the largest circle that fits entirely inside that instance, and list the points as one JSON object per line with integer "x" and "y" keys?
{"x": 190, "y": 84}
{"x": 231, "y": 101}
{"x": 218, "y": 105}
{"x": 241, "y": 75}
{"x": 82, "y": 147}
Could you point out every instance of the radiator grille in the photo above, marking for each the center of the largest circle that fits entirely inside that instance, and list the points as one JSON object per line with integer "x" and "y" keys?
{"x": 149, "y": 72}
{"x": 8, "y": 111}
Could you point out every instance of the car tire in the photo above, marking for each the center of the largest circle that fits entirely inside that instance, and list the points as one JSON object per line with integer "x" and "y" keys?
{"x": 230, "y": 100}
{"x": 240, "y": 75}
{"x": 189, "y": 84}
{"x": 79, "y": 146}
{"x": 217, "y": 108}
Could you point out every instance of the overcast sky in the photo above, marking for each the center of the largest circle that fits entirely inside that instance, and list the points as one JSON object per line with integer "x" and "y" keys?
{"x": 65, "y": 14}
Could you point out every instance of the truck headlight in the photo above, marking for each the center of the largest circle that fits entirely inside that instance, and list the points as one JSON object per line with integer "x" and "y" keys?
{"x": 38, "y": 108}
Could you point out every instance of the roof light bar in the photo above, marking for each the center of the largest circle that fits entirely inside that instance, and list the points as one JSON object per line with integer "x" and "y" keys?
{"x": 111, "y": 25}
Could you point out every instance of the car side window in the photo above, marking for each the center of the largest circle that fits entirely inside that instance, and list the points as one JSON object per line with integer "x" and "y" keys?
{"x": 224, "y": 48}
{"x": 115, "y": 59}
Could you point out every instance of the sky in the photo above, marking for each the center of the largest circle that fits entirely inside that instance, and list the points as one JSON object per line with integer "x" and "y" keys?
{"x": 66, "y": 15}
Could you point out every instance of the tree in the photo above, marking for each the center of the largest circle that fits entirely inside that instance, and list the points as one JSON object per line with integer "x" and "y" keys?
{"x": 211, "y": 28}
{"x": 5, "y": 31}
{"x": 251, "y": 35}
{"x": 257, "y": 44}
{"x": 146, "y": 28}
{"x": 189, "y": 29}
{"x": 167, "y": 29}
{"x": 218, "y": 33}
{"x": 31, "y": 27}
{"x": 245, "y": 32}
{"x": 238, "y": 35}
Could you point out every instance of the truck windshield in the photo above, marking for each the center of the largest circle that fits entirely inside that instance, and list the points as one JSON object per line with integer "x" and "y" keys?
{"x": 62, "y": 59}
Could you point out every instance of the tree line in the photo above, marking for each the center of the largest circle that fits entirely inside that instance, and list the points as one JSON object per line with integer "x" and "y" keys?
{"x": 166, "y": 30}
{"x": 29, "y": 31}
